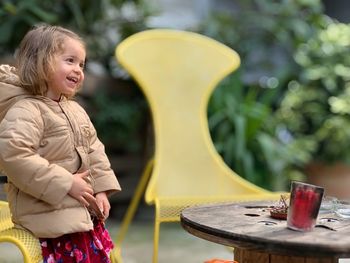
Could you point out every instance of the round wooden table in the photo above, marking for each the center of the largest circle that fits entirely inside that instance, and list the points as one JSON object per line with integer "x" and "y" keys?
{"x": 258, "y": 238}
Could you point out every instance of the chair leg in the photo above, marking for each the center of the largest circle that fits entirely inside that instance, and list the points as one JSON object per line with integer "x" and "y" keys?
{"x": 129, "y": 215}
{"x": 156, "y": 240}
{"x": 115, "y": 256}
{"x": 140, "y": 189}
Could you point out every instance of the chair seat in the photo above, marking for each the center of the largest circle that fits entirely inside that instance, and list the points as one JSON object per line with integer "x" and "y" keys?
{"x": 24, "y": 240}
{"x": 5, "y": 216}
{"x": 170, "y": 208}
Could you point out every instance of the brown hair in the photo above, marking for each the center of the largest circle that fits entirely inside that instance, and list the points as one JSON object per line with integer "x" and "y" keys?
{"x": 35, "y": 56}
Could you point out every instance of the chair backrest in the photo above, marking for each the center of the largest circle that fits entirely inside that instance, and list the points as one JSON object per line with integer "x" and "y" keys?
{"x": 177, "y": 71}
{"x": 5, "y": 216}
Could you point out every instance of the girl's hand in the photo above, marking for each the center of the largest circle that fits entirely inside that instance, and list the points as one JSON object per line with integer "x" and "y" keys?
{"x": 80, "y": 189}
{"x": 103, "y": 203}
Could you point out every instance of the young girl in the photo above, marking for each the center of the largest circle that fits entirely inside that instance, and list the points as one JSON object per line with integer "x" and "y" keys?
{"x": 58, "y": 174}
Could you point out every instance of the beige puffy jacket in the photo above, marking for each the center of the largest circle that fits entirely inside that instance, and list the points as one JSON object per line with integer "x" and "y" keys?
{"x": 42, "y": 144}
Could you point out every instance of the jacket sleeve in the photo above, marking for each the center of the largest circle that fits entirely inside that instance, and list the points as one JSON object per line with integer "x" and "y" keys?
{"x": 20, "y": 134}
{"x": 105, "y": 179}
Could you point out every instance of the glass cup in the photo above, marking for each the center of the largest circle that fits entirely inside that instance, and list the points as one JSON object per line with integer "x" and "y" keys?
{"x": 328, "y": 205}
{"x": 304, "y": 205}
{"x": 343, "y": 208}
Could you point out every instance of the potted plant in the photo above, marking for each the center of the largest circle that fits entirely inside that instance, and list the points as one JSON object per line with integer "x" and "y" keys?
{"x": 315, "y": 112}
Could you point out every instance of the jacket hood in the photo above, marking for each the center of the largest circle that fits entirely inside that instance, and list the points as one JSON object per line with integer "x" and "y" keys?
{"x": 10, "y": 89}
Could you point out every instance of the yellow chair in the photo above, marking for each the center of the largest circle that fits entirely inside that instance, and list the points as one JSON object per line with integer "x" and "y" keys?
{"x": 177, "y": 71}
{"x": 25, "y": 241}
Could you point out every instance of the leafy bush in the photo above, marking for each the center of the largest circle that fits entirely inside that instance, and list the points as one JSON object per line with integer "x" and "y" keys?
{"x": 316, "y": 108}
{"x": 102, "y": 24}
{"x": 266, "y": 35}
{"x": 120, "y": 121}
{"x": 239, "y": 127}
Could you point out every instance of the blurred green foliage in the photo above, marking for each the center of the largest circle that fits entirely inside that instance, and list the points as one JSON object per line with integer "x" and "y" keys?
{"x": 316, "y": 109}
{"x": 237, "y": 122}
{"x": 102, "y": 24}
{"x": 120, "y": 120}
{"x": 289, "y": 50}
{"x": 266, "y": 34}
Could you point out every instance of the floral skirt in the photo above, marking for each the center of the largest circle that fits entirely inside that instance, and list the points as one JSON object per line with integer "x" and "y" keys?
{"x": 83, "y": 247}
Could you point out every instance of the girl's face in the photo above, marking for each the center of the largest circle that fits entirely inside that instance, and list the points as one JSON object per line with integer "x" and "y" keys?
{"x": 68, "y": 68}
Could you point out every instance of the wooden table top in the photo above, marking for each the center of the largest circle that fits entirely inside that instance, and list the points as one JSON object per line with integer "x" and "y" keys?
{"x": 250, "y": 226}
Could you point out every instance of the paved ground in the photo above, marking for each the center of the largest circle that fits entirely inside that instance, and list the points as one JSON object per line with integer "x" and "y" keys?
{"x": 176, "y": 245}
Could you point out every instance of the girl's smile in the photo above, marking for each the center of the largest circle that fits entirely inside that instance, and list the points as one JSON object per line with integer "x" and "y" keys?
{"x": 68, "y": 74}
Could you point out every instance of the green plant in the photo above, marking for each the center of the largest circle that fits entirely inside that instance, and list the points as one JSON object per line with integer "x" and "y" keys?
{"x": 239, "y": 125}
{"x": 19, "y": 16}
{"x": 119, "y": 121}
{"x": 316, "y": 109}
{"x": 266, "y": 34}
{"x": 102, "y": 24}
{"x": 241, "y": 113}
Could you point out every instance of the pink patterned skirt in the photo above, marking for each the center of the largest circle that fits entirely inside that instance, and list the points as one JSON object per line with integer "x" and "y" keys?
{"x": 83, "y": 247}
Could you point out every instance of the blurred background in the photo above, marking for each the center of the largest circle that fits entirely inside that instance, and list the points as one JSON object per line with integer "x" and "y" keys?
{"x": 284, "y": 113}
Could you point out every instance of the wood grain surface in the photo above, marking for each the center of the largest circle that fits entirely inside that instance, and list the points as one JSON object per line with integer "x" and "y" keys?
{"x": 249, "y": 228}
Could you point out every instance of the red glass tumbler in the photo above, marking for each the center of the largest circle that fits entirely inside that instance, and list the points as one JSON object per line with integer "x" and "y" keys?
{"x": 305, "y": 202}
